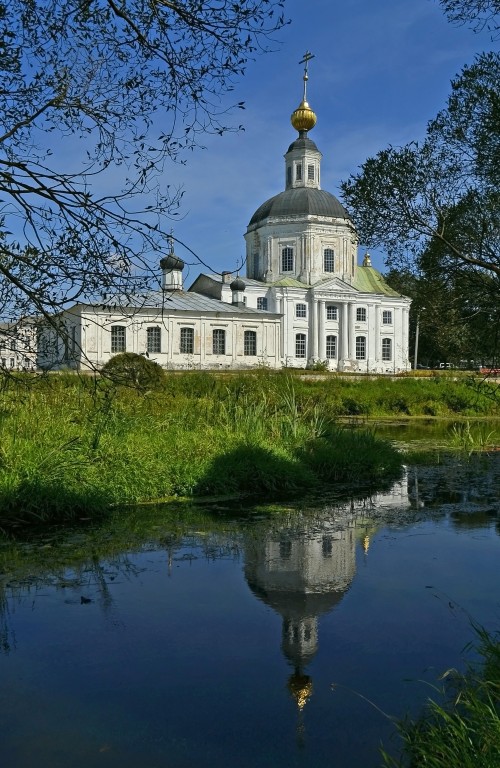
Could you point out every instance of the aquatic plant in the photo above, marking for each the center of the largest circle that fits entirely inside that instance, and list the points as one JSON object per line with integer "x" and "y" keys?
{"x": 463, "y": 730}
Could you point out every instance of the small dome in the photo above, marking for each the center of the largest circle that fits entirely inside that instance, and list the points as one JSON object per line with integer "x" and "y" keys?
{"x": 237, "y": 284}
{"x": 171, "y": 262}
{"x": 303, "y": 119}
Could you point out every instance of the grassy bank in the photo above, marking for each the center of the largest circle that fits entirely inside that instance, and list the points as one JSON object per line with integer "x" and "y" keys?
{"x": 464, "y": 730}
{"x": 74, "y": 447}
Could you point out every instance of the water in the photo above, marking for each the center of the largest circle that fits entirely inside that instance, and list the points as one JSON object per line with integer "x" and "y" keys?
{"x": 287, "y": 640}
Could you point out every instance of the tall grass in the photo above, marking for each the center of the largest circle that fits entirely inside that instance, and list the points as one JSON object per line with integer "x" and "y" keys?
{"x": 72, "y": 447}
{"x": 464, "y": 730}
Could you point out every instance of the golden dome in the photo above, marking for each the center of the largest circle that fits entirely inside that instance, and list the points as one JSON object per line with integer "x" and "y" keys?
{"x": 303, "y": 119}
{"x": 301, "y": 688}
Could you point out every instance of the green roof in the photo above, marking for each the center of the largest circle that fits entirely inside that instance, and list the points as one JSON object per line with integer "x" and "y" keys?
{"x": 290, "y": 282}
{"x": 369, "y": 280}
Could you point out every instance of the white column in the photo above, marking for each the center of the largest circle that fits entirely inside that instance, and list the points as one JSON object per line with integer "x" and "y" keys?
{"x": 352, "y": 331}
{"x": 314, "y": 327}
{"x": 321, "y": 330}
{"x": 344, "y": 328}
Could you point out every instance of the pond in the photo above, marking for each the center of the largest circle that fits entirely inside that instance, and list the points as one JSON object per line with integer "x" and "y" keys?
{"x": 289, "y": 636}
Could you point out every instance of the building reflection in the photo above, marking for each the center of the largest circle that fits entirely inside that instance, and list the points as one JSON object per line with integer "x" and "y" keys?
{"x": 302, "y": 567}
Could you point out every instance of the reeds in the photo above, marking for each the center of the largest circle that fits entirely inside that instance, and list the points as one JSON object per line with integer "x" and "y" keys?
{"x": 464, "y": 730}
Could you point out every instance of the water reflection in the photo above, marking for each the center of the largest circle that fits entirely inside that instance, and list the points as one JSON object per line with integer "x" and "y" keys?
{"x": 169, "y": 627}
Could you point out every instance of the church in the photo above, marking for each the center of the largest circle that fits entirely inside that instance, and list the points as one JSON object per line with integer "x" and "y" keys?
{"x": 304, "y": 302}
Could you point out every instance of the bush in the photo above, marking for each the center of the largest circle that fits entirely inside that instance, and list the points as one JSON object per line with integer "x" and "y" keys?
{"x": 131, "y": 370}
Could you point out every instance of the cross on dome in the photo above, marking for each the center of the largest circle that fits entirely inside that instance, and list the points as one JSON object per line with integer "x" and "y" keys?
{"x": 303, "y": 118}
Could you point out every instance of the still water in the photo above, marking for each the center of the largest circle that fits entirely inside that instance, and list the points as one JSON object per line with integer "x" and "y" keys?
{"x": 283, "y": 639}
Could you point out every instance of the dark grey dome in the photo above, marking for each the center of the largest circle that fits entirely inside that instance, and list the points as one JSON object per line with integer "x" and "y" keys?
{"x": 171, "y": 262}
{"x": 303, "y": 142}
{"x": 301, "y": 202}
{"x": 237, "y": 284}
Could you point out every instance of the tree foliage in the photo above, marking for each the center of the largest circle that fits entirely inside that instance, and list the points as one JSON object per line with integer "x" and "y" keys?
{"x": 95, "y": 97}
{"x": 130, "y": 370}
{"x": 443, "y": 190}
{"x": 480, "y": 14}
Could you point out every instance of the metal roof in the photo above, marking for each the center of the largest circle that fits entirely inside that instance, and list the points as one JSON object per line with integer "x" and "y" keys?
{"x": 301, "y": 201}
{"x": 369, "y": 280}
{"x": 176, "y": 301}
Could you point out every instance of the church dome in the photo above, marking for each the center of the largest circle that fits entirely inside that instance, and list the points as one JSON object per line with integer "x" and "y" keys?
{"x": 171, "y": 262}
{"x": 301, "y": 201}
{"x": 303, "y": 118}
{"x": 237, "y": 284}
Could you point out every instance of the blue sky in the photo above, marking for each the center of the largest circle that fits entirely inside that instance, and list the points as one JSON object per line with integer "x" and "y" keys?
{"x": 382, "y": 69}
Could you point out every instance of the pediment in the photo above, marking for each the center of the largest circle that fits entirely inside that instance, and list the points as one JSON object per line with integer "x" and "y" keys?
{"x": 333, "y": 285}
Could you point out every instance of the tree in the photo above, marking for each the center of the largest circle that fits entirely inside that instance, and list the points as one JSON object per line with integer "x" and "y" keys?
{"x": 480, "y": 14}
{"x": 84, "y": 86}
{"x": 445, "y": 189}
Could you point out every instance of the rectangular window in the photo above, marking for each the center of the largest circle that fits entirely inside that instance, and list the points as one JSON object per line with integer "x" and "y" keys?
{"x": 219, "y": 342}
{"x": 331, "y": 312}
{"x": 153, "y": 339}
{"x": 289, "y": 176}
{"x": 118, "y": 339}
{"x": 11, "y": 362}
{"x": 261, "y": 302}
{"x": 310, "y": 172}
{"x": 300, "y": 310}
{"x": 250, "y": 343}
{"x": 361, "y": 314}
{"x": 298, "y": 172}
{"x": 187, "y": 341}
{"x": 328, "y": 260}
{"x": 331, "y": 347}
{"x": 360, "y": 348}
{"x": 300, "y": 345}
{"x": 386, "y": 349}
{"x": 387, "y": 317}
{"x": 287, "y": 259}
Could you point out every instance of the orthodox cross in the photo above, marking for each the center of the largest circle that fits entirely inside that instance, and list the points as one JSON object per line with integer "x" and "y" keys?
{"x": 305, "y": 61}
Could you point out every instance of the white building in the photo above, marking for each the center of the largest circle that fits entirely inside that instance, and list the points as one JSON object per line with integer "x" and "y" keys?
{"x": 304, "y": 300}
{"x": 301, "y": 257}
{"x": 18, "y": 345}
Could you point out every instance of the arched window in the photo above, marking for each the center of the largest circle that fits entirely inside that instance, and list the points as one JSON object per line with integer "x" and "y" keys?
{"x": 250, "y": 343}
{"x": 300, "y": 345}
{"x": 331, "y": 347}
{"x": 219, "y": 341}
{"x": 360, "y": 347}
{"x": 118, "y": 339}
{"x": 386, "y": 349}
{"x": 329, "y": 260}
{"x": 153, "y": 339}
{"x": 287, "y": 259}
{"x": 187, "y": 341}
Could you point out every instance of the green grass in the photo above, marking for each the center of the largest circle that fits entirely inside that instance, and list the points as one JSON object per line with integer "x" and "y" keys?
{"x": 72, "y": 448}
{"x": 464, "y": 730}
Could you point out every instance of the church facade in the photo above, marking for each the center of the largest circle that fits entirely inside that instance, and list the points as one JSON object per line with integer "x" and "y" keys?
{"x": 304, "y": 300}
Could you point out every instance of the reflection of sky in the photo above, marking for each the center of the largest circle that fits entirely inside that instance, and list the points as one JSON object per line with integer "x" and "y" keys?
{"x": 174, "y": 659}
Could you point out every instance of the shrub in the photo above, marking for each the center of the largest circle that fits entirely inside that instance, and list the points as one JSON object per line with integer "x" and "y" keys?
{"x": 131, "y": 370}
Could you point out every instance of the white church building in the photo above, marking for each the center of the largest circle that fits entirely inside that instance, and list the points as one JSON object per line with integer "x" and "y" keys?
{"x": 304, "y": 300}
